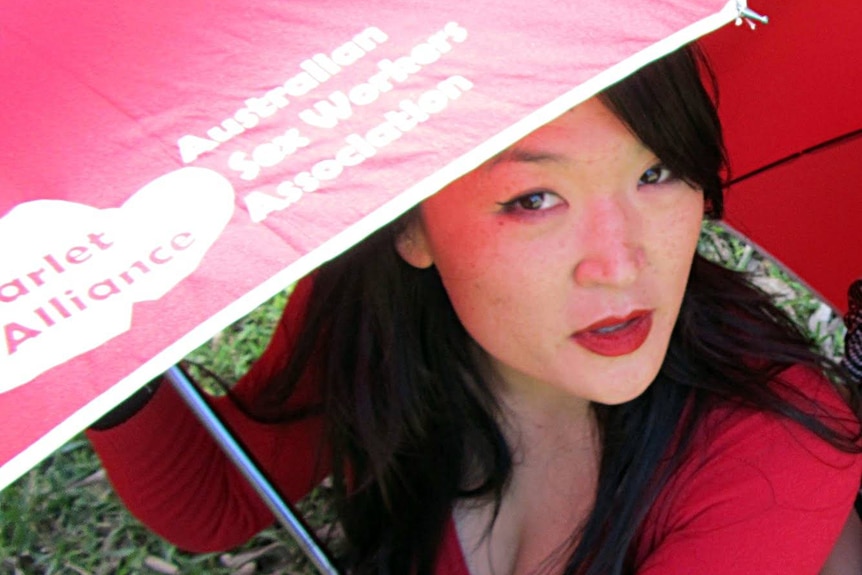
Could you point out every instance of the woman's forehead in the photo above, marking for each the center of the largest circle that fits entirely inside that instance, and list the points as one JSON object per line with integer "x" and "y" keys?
{"x": 586, "y": 130}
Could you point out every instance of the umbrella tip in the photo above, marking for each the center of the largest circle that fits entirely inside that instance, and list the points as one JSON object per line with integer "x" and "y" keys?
{"x": 746, "y": 14}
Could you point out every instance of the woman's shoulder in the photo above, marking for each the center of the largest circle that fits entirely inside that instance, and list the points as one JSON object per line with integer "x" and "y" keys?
{"x": 801, "y": 388}
{"x": 813, "y": 389}
{"x": 735, "y": 433}
{"x": 749, "y": 474}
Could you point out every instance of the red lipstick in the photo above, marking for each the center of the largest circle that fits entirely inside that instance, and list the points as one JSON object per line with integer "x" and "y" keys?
{"x": 615, "y": 336}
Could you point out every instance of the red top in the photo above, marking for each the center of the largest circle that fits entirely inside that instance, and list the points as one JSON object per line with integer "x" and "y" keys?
{"x": 758, "y": 494}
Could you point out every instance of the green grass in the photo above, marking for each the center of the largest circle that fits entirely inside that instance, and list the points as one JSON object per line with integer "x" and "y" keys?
{"x": 62, "y": 517}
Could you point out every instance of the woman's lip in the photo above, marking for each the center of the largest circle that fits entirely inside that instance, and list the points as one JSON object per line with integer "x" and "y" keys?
{"x": 612, "y": 321}
{"x": 615, "y": 336}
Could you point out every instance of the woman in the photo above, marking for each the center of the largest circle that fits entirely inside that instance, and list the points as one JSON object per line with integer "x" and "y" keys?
{"x": 534, "y": 373}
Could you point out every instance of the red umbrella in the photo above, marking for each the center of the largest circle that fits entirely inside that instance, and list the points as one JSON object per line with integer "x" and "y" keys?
{"x": 166, "y": 167}
{"x": 790, "y": 108}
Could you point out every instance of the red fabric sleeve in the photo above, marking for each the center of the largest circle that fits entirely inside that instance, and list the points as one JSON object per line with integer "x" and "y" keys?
{"x": 759, "y": 494}
{"x": 174, "y": 477}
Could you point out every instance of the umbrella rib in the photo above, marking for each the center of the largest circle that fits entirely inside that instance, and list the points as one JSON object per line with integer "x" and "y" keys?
{"x": 823, "y": 145}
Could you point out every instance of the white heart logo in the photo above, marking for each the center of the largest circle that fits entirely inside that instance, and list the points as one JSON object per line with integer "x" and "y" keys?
{"x": 71, "y": 273}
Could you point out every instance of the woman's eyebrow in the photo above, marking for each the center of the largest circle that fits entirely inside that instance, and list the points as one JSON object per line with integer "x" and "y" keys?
{"x": 523, "y": 155}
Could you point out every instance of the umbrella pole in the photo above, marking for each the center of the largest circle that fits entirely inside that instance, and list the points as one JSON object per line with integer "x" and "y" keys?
{"x": 238, "y": 455}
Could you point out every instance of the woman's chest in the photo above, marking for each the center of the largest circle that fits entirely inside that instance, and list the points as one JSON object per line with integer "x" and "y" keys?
{"x": 535, "y": 526}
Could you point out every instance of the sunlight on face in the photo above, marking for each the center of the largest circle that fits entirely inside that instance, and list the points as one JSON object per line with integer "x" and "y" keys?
{"x": 566, "y": 257}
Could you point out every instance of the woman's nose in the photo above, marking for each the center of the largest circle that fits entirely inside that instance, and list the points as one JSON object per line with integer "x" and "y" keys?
{"x": 611, "y": 253}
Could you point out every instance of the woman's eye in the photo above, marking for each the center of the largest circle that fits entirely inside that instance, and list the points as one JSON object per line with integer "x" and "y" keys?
{"x": 532, "y": 202}
{"x": 657, "y": 174}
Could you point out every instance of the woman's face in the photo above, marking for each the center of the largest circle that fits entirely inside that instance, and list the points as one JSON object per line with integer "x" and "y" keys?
{"x": 566, "y": 257}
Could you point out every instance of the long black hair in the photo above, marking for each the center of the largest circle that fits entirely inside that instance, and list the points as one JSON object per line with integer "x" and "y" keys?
{"x": 412, "y": 426}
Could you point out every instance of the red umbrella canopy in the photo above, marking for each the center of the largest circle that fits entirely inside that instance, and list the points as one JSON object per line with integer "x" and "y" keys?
{"x": 165, "y": 167}
{"x": 790, "y": 106}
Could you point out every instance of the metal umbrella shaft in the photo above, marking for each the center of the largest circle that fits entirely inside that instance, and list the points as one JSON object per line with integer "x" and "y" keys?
{"x": 239, "y": 456}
